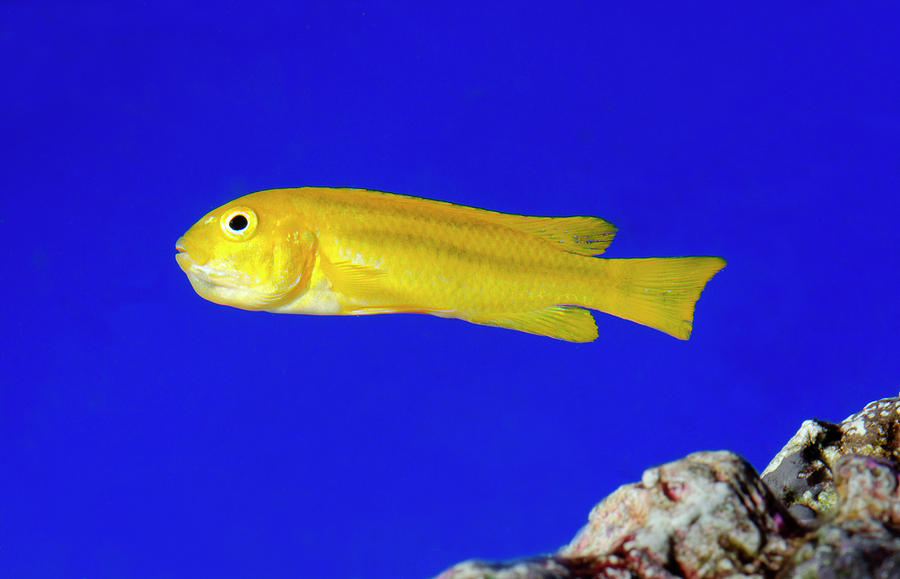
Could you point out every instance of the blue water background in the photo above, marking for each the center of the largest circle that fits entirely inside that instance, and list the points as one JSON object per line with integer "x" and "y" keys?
{"x": 145, "y": 432}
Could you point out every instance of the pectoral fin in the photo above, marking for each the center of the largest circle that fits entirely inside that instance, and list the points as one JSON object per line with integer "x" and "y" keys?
{"x": 569, "y": 323}
{"x": 352, "y": 279}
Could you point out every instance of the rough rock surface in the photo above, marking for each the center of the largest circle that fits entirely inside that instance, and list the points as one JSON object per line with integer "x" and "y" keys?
{"x": 707, "y": 514}
{"x": 833, "y": 511}
{"x": 802, "y": 473}
{"x": 863, "y": 537}
{"x": 538, "y": 568}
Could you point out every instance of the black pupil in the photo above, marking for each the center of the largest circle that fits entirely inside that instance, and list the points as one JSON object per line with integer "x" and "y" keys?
{"x": 238, "y": 222}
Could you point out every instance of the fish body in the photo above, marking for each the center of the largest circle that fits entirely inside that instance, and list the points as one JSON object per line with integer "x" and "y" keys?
{"x": 317, "y": 250}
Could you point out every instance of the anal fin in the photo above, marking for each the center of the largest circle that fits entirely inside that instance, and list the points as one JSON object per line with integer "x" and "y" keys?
{"x": 570, "y": 323}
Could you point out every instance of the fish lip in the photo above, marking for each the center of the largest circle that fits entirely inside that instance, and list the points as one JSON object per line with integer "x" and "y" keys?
{"x": 186, "y": 264}
{"x": 200, "y": 273}
{"x": 183, "y": 257}
{"x": 206, "y": 280}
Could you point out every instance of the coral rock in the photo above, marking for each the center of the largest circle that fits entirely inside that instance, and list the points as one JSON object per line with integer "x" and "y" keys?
{"x": 863, "y": 538}
{"x": 709, "y": 515}
{"x": 802, "y": 473}
{"x": 706, "y": 515}
{"x": 539, "y": 568}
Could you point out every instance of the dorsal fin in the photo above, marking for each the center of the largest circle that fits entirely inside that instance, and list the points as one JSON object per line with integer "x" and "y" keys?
{"x": 581, "y": 234}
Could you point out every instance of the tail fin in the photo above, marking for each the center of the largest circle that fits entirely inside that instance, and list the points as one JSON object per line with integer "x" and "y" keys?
{"x": 659, "y": 292}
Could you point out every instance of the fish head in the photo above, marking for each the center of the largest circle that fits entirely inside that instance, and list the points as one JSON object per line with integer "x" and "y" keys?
{"x": 248, "y": 255}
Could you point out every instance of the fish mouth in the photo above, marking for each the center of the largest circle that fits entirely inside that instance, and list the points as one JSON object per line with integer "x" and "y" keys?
{"x": 205, "y": 281}
{"x": 183, "y": 257}
{"x": 204, "y": 278}
{"x": 221, "y": 287}
{"x": 218, "y": 287}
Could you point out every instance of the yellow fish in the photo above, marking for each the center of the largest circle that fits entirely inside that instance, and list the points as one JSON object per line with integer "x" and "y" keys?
{"x": 319, "y": 250}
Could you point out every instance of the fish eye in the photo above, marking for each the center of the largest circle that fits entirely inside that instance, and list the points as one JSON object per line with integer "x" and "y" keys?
{"x": 239, "y": 223}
